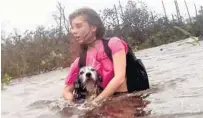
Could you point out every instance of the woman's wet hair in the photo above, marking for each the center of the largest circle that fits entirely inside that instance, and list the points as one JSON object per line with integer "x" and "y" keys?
{"x": 91, "y": 17}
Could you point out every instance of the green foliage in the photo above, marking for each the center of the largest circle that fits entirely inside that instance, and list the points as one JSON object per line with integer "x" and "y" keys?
{"x": 195, "y": 41}
{"x": 5, "y": 80}
{"x": 183, "y": 31}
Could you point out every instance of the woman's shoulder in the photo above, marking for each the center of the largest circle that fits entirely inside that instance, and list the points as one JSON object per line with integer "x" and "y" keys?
{"x": 116, "y": 44}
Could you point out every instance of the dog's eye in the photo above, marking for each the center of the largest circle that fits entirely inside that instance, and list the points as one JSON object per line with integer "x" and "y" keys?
{"x": 81, "y": 72}
{"x": 92, "y": 69}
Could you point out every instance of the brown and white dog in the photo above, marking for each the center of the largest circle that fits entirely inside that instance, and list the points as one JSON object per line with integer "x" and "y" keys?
{"x": 87, "y": 85}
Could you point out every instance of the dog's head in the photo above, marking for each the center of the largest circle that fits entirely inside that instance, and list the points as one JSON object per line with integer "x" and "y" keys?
{"x": 88, "y": 82}
{"x": 89, "y": 77}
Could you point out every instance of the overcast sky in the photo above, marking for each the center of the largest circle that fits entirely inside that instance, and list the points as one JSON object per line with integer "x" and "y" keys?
{"x": 28, "y": 14}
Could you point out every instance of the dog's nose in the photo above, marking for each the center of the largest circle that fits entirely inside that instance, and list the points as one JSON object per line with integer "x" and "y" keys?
{"x": 88, "y": 74}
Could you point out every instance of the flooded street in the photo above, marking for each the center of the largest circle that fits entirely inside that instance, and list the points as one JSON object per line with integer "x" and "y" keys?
{"x": 176, "y": 79}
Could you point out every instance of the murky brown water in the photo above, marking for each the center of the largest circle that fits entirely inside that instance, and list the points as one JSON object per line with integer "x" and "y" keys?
{"x": 176, "y": 80}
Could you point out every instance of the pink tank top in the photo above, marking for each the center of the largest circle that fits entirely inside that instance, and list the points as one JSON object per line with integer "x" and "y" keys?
{"x": 97, "y": 58}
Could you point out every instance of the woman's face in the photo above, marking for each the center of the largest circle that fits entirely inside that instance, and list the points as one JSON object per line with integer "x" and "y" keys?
{"x": 82, "y": 31}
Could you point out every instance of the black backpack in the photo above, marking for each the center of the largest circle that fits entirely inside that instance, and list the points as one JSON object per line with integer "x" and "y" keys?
{"x": 137, "y": 77}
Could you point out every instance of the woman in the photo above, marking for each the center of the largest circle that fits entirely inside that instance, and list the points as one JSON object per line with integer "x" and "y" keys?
{"x": 88, "y": 30}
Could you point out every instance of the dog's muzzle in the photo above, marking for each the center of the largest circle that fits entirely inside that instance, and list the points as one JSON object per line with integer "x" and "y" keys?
{"x": 88, "y": 75}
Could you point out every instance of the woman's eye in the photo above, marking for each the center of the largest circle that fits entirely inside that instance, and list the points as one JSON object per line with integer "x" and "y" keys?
{"x": 78, "y": 26}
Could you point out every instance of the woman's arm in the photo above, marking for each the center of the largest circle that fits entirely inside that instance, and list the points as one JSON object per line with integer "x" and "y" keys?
{"x": 68, "y": 92}
{"x": 69, "y": 81}
{"x": 119, "y": 62}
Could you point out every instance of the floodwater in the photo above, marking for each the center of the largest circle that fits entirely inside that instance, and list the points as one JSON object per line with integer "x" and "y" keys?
{"x": 176, "y": 79}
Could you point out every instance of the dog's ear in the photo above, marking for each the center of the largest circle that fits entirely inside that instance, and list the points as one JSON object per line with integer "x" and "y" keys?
{"x": 98, "y": 89}
{"x": 79, "y": 86}
{"x": 77, "y": 83}
{"x": 78, "y": 89}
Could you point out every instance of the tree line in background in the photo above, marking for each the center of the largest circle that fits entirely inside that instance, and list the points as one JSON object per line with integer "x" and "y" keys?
{"x": 43, "y": 50}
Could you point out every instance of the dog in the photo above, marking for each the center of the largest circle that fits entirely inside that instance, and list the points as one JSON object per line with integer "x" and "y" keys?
{"x": 87, "y": 86}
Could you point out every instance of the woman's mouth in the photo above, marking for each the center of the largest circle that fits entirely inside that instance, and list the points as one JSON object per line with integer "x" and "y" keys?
{"x": 77, "y": 38}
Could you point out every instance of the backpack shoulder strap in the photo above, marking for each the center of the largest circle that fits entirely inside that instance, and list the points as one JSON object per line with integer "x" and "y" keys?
{"x": 106, "y": 48}
{"x": 82, "y": 59}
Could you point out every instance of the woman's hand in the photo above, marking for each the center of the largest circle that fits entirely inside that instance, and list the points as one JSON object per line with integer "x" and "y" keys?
{"x": 68, "y": 93}
{"x": 94, "y": 103}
